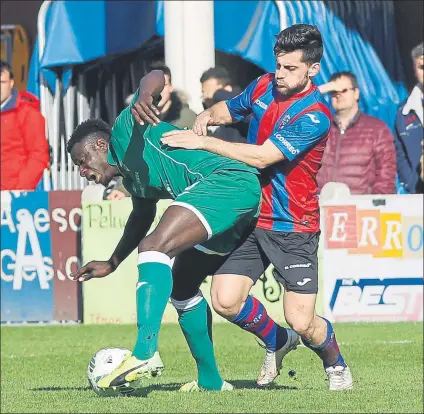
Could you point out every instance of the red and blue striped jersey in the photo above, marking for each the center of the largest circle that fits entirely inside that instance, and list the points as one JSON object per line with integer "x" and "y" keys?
{"x": 298, "y": 126}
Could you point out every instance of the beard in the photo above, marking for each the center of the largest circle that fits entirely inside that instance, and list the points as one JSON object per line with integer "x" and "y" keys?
{"x": 286, "y": 92}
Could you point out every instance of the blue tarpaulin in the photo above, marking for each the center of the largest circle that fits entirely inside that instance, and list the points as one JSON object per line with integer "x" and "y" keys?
{"x": 82, "y": 31}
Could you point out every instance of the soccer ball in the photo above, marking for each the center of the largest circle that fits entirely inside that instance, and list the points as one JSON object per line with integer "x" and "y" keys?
{"x": 102, "y": 364}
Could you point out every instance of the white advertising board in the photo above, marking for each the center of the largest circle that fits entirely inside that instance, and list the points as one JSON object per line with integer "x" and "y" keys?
{"x": 372, "y": 260}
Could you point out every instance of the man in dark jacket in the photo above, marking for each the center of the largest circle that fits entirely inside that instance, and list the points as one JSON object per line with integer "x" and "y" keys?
{"x": 409, "y": 131}
{"x": 24, "y": 148}
{"x": 360, "y": 149}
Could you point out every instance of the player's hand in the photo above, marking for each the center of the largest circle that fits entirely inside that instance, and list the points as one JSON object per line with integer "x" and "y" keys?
{"x": 329, "y": 87}
{"x": 183, "y": 139}
{"x": 143, "y": 110}
{"x": 201, "y": 123}
{"x": 116, "y": 195}
{"x": 92, "y": 270}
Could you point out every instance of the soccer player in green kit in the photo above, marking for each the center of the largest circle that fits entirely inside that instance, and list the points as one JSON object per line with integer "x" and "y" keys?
{"x": 216, "y": 201}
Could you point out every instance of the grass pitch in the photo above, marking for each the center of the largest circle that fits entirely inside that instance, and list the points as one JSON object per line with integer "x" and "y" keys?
{"x": 43, "y": 370}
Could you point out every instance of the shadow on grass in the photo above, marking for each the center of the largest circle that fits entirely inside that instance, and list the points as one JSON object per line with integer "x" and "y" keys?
{"x": 251, "y": 385}
{"x": 173, "y": 386}
{"x": 61, "y": 389}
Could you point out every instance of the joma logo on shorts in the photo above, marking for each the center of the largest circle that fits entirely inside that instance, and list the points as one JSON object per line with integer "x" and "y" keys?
{"x": 295, "y": 266}
{"x": 287, "y": 144}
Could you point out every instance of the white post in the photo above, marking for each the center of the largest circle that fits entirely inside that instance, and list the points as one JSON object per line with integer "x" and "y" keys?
{"x": 173, "y": 19}
{"x": 41, "y": 29}
{"x": 283, "y": 15}
{"x": 189, "y": 45}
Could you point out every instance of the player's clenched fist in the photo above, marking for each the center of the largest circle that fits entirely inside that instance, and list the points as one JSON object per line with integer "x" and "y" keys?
{"x": 92, "y": 270}
{"x": 201, "y": 123}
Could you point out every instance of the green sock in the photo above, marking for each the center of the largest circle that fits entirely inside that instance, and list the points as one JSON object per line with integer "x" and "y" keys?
{"x": 195, "y": 318}
{"x": 153, "y": 290}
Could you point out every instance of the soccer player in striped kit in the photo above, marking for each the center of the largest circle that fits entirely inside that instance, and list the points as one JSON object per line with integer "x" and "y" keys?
{"x": 286, "y": 141}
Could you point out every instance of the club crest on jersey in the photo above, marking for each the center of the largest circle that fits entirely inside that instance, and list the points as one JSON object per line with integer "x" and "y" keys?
{"x": 285, "y": 120}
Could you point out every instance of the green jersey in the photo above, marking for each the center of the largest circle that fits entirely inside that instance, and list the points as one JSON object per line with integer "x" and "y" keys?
{"x": 154, "y": 170}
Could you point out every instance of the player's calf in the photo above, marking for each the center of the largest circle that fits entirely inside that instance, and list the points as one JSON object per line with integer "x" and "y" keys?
{"x": 195, "y": 319}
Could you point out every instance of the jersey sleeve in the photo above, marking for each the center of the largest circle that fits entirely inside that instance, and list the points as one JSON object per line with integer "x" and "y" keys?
{"x": 122, "y": 131}
{"x": 295, "y": 138}
{"x": 241, "y": 105}
{"x": 143, "y": 206}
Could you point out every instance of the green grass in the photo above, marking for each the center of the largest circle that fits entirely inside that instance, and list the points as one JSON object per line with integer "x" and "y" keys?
{"x": 43, "y": 370}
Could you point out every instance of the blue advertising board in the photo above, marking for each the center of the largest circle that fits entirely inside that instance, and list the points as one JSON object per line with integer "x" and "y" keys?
{"x": 26, "y": 263}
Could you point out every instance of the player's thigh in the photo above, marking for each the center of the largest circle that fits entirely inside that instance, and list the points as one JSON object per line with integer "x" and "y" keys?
{"x": 223, "y": 199}
{"x": 190, "y": 269}
{"x": 178, "y": 230}
{"x": 232, "y": 282}
{"x": 295, "y": 258}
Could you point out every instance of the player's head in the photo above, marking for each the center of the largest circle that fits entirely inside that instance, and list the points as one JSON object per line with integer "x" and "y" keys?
{"x": 7, "y": 81}
{"x": 213, "y": 80}
{"x": 418, "y": 59}
{"x": 298, "y": 52}
{"x": 88, "y": 147}
{"x": 168, "y": 88}
{"x": 346, "y": 96}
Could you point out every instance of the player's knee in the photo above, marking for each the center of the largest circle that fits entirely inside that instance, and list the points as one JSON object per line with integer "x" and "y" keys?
{"x": 226, "y": 304}
{"x": 157, "y": 243}
{"x": 300, "y": 324}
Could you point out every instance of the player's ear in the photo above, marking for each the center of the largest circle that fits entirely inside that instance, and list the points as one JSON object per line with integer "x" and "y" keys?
{"x": 101, "y": 144}
{"x": 314, "y": 69}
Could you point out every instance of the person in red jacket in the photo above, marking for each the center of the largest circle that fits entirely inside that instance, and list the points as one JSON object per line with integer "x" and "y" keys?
{"x": 360, "y": 150}
{"x": 24, "y": 148}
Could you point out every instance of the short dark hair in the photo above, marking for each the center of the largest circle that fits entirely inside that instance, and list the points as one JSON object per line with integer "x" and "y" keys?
{"x": 417, "y": 51}
{"x": 303, "y": 37}
{"x": 219, "y": 73}
{"x": 161, "y": 66}
{"x": 91, "y": 128}
{"x": 6, "y": 66}
{"x": 345, "y": 74}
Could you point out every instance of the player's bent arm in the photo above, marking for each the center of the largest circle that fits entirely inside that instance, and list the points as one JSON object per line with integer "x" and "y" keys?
{"x": 259, "y": 156}
{"x": 144, "y": 109}
{"x": 153, "y": 83}
{"x": 138, "y": 224}
{"x": 220, "y": 114}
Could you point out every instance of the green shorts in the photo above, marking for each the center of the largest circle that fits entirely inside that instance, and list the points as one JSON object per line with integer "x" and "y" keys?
{"x": 227, "y": 202}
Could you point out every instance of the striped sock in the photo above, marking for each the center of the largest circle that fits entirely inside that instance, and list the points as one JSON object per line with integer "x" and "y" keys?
{"x": 254, "y": 318}
{"x": 328, "y": 351}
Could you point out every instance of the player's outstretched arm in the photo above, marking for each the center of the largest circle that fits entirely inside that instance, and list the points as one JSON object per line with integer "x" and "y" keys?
{"x": 138, "y": 224}
{"x": 150, "y": 87}
{"x": 259, "y": 156}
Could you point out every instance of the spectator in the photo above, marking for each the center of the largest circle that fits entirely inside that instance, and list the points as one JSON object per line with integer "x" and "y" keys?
{"x": 360, "y": 150}
{"x": 24, "y": 148}
{"x": 409, "y": 131}
{"x": 217, "y": 87}
{"x": 173, "y": 105}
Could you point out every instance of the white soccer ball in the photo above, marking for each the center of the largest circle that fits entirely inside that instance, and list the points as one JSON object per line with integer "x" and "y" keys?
{"x": 102, "y": 364}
